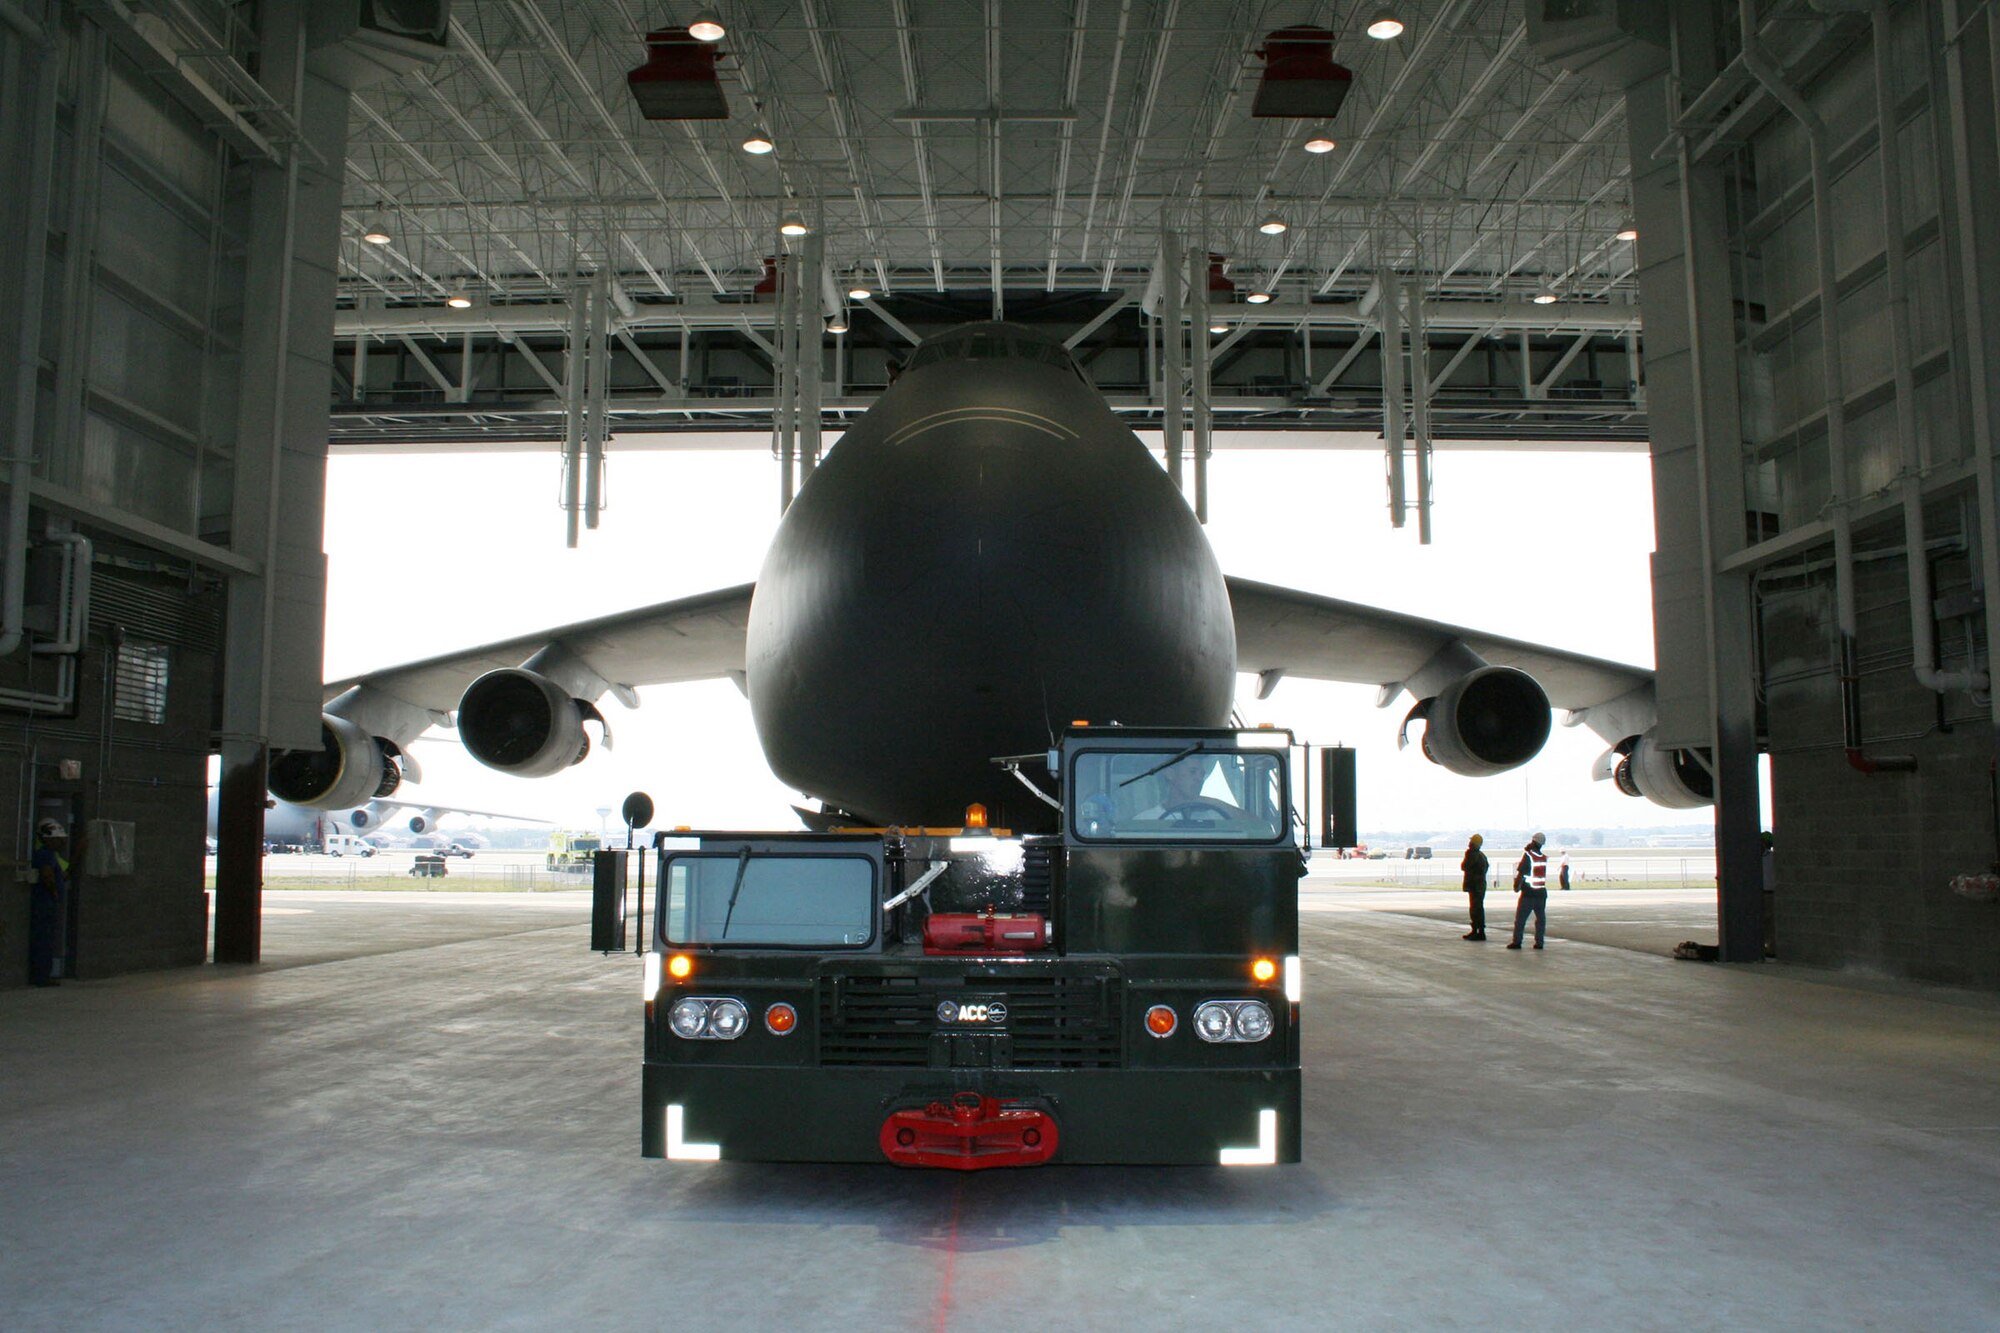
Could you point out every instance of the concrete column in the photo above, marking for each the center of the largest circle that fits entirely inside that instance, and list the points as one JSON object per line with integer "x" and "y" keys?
{"x": 575, "y": 371}
{"x": 1420, "y": 406}
{"x": 273, "y": 646}
{"x": 1702, "y": 615}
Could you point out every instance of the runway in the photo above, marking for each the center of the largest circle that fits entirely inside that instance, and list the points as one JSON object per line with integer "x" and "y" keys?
{"x": 423, "y": 1110}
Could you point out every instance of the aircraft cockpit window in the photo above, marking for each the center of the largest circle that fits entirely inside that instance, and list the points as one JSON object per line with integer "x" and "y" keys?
{"x": 1192, "y": 795}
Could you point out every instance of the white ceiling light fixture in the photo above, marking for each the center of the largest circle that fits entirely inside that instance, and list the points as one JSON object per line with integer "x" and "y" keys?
{"x": 1258, "y": 298}
{"x": 1319, "y": 141}
{"x": 706, "y": 27}
{"x": 859, "y": 290}
{"x": 1273, "y": 225}
{"x": 376, "y": 232}
{"x": 758, "y": 143}
{"x": 838, "y": 323}
{"x": 1543, "y": 298}
{"x": 458, "y": 300}
{"x": 1218, "y": 328}
{"x": 793, "y": 225}
{"x": 1385, "y": 25}
{"x": 1628, "y": 232}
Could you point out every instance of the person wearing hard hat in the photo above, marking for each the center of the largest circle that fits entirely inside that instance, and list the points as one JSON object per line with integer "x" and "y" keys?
{"x": 1531, "y": 881}
{"x": 1474, "y": 867}
{"x": 50, "y": 863}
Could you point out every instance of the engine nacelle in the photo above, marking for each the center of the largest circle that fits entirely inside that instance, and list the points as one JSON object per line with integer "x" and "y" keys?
{"x": 349, "y": 768}
{"x": 1485, "y": 722}
{"x": 1676, "y": 779}
{"x": 422, "y": 823}
{"x": 360, "y": 819}
{"x": 523, "y": 723}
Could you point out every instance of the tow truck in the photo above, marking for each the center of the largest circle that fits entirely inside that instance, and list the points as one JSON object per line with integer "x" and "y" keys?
{"x": 1124, "y": 990}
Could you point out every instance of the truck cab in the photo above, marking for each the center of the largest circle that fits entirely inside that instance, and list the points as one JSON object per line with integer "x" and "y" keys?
{"x": 1125, "y": 990}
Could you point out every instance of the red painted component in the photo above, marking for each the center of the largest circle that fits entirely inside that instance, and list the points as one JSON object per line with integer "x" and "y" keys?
{"x": 768, "y": 284}
{"x": 1301, "y": 81}
{"x": 678, "y": 81}
{"x": 1217, "y": 280}
{"x": 972, "y": 1133}
{"x": 965, "y": 932}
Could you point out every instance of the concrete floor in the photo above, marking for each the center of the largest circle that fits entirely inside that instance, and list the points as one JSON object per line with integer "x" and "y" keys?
{"x": 423, "y": 1112}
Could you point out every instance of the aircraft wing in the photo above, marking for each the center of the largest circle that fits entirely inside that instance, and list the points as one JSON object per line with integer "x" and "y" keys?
{"x": 691, "y": 638}
{"x": 1322, "y": 638}
{"x": 386, "y": 808}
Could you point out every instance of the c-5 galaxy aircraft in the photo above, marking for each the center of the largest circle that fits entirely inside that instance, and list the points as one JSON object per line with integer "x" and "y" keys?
{"x": 985, "y": 556}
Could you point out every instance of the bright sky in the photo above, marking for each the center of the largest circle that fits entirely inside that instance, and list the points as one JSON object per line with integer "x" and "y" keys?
{"x": 432, "y": 553}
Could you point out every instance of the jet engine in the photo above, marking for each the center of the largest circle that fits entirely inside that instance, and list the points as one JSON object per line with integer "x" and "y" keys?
{"x": 422, "y": 823}
{"x": 1487, "y": 721}
{"x": 1676, "y": 779}
{"x": 349, "y": 768}
{"x": 360, "y": 819}
{"x": 521, "y": 722}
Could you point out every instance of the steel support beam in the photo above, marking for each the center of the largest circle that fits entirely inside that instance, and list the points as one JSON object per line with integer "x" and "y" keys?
{"x": 1388, "y": 306}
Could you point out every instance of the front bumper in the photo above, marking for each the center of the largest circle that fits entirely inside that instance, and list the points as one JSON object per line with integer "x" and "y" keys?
{"x": 1192, "y": 1117}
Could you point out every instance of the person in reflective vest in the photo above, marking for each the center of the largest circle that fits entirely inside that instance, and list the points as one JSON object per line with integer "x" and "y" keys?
{"x": 45, "y": 901}
{"x": 1531, "y": 881}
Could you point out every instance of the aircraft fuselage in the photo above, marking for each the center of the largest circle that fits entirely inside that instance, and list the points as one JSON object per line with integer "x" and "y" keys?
{"x": 986, "y": 556}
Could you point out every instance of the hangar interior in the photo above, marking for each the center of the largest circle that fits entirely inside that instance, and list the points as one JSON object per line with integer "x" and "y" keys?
{"x": 250, "y": 233}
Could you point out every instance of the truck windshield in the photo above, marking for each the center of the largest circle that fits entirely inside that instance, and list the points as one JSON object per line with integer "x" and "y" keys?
{"x": 1178, "y": 795}
{"x": 765, "y": 899}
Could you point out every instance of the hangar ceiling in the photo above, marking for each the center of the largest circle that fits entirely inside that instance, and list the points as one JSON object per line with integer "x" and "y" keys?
{"x": 966, "y": 158}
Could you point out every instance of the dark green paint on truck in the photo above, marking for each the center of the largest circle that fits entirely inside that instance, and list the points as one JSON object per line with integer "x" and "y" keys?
{"x": 1144, "y": 909}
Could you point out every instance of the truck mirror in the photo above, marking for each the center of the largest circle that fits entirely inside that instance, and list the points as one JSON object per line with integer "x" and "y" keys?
{"x": 607, "y": 900}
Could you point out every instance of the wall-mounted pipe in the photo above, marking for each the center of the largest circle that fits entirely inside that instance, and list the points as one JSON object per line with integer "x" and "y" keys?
{"x": 1173, "y": 373}
{"x": 21, "y": 58}
{"x": 1832, "y": 381}
{"x": 1923, "y": 631}
{"x": 1389, "y": 307}
{"x": 573, "y": 387}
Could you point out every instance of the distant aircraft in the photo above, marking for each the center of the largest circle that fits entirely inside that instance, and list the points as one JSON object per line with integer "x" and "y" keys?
{"x": 986, "y": 556}
{"x": 287, "y": 824}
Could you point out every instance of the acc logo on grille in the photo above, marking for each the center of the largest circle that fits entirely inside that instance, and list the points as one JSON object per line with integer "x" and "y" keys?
{"x": 951, "y": 1011}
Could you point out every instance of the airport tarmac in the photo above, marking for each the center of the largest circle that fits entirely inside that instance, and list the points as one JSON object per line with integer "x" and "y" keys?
{"x": 423, "y": 1110}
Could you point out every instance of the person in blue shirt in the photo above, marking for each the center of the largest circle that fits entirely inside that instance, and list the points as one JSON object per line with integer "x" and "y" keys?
{"x": 50, "y": 863}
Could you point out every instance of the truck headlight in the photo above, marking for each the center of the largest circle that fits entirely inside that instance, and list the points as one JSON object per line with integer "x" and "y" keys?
{"x": 1253, "y": 1021}
{"x": 728, "y": 1018}
{"x": 1212, "y": 1021}
{"x": 688, "y": 1018}
{"x": 1233, "y": 1020}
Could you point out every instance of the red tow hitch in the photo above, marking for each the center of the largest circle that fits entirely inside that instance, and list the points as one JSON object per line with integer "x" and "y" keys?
{"x": 971, "y": 1134}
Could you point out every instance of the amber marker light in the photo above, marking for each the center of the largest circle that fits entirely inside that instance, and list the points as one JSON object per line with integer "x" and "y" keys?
{"x": 781, "y": 1018}
{"x": 680, "y": 967}
{"x": 975, "y": 815}
{"x": 1264, "y": 969}
{"x": 1161, "y": 1021}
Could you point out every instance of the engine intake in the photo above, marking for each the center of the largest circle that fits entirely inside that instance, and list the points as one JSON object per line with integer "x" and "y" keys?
{"x": 521, "y": 722}
{"x": 1485, "y": 722}
{"x": 349, "y": 768}
{"x": 1676, "y": 779}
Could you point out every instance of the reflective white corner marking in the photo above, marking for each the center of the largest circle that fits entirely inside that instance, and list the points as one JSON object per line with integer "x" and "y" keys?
{"x": 1295, "y": 980}
{"x": 680, "y": 1150}
{"x": 649, "y": 985}
{"x": 1264, "y": 1154}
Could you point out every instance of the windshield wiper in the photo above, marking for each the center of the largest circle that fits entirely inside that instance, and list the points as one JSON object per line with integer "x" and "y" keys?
{"x": 1168, "y": 762}
{"x": 742, "y": 868}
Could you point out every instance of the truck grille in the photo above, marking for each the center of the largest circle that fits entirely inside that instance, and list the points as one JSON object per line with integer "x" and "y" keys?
{"x": 1070, "y": 1022}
